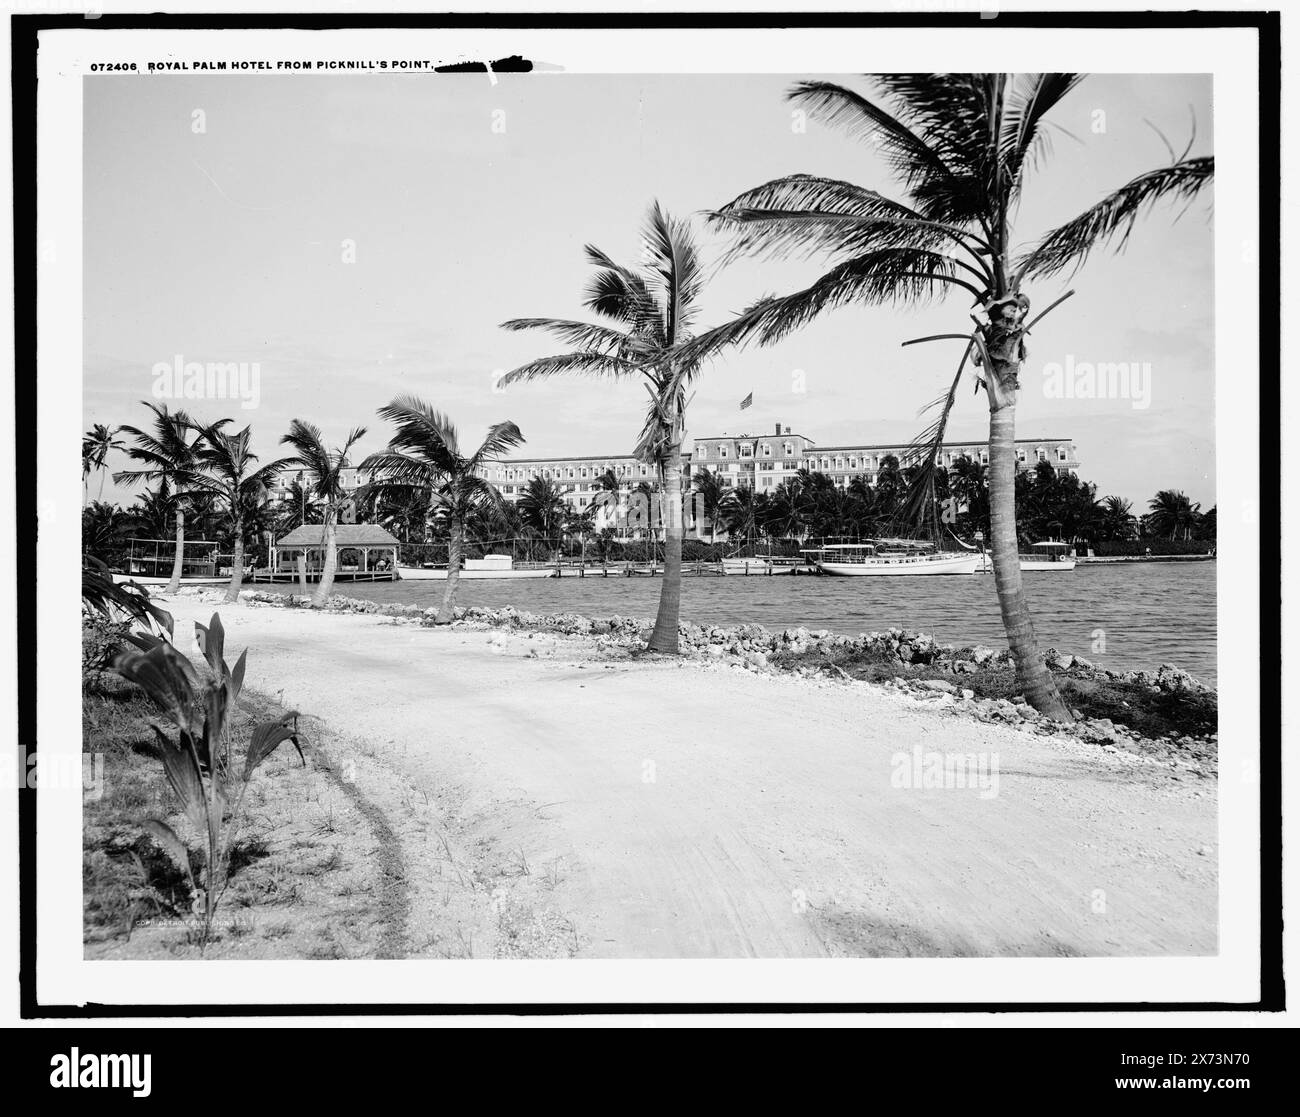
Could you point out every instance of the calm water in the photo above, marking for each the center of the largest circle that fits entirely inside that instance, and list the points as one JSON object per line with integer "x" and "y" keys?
{"x": 1150, "y": 613}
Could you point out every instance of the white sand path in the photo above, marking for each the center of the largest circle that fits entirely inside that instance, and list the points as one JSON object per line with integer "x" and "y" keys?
{"x": 701, "y": 811}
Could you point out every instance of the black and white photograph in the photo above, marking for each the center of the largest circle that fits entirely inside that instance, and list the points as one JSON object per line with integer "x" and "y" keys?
{"x": 772, "y": 509}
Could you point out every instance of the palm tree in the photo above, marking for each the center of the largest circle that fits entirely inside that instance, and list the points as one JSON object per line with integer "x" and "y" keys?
{"x": 165, "y": 455}
{"x": 644, "y": 494}
{"x": 225, "y": 471}
{"x": 607, "y": 492}
{"x": 96, "y": 444}
{"x": 1118, "y": 521}
{"x": 650, "y": 310}
{"x": 742, "y": 513}
{"x": 326, "y": 469}
{"x": 542, "y": 508}
{"x": 962, "y": 146}
{"x": 708, "y": 487}
{"x": 103, "y": 528}
{"x": 580, "y": 522}
{"x": 424, "y": 455}
{"x": 1171, "y": 512}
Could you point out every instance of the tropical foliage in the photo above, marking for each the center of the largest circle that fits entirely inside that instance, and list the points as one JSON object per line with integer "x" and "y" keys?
{"x": 962, "y": 148}
{"x": 198, "y": 758}
{"x": 646, "y": 314}
{"x": 324, "y": 468}
{"x": 424, "y": 456}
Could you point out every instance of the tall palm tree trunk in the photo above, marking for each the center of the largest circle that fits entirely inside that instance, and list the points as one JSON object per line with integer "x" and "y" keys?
{"x": 455, "y": 545}
{"x": 664, "y": 638}
{"x": 236, "y": 563}
{"x": 178, "y": 562}
{"x": 1035, "y": 680}
{"x": 326, "y": 583}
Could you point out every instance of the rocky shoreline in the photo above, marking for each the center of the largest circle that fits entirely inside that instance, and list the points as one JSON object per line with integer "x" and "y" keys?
{"x": 916, "y": 664}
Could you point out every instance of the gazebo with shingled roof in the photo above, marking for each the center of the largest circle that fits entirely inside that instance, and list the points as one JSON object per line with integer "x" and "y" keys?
{"x": 364, "y": 551}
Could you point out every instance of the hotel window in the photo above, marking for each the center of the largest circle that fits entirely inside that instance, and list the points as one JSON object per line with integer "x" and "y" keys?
{"x": 702, "y": 452}
{"x": 767, "y": 450}
{"x": 1020, "y": 455}
{"x": 747, "y": 451}
{"x": 789, "y": 449}
{"x": 1061, "y": 455}
{"x": 722, "y": 451}
{"x": 853, "y": 463}
{"x": 839, "y": 463}
{"x": 984, "y": 457}
{"x": 1042, "y": 454}
{"x": 767, "y": 481}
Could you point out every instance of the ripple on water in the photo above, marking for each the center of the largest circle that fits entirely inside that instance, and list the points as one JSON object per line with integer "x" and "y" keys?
{"x": 1123, "y": 616}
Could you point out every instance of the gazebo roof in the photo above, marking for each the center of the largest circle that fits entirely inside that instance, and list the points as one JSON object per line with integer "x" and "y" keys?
{"x": 346, "y": 535}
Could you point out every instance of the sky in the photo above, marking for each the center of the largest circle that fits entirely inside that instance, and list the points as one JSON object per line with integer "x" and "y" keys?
{"x": 360, "y": 237}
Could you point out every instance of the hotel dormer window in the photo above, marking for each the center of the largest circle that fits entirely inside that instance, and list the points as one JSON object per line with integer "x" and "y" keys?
{"x": 1061, "y": 455}
{"x": 789, "y": 449}
{"x": 722, "y": 451}
{"x": 702, "y": 452}
{"x": 767, "y": 449}
{"x": 747, "y": 451}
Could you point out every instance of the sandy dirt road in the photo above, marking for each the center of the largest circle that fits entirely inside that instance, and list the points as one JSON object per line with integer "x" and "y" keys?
{"x": 633, "y": 809}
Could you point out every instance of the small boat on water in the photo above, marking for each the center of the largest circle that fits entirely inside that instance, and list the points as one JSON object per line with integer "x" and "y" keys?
{"x": 489, "y": 566}
{"x": 891, "y": 558}
{"x": 760, "y": 565}
{"x": 1049, "y": 555}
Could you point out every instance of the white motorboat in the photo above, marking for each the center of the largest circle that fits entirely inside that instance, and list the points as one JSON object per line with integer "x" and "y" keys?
{"x": 489, "y": 566}
{"x": 1049, "y": 555}
{"x": 891, "y": 558}
{"x": 759, "y": 564}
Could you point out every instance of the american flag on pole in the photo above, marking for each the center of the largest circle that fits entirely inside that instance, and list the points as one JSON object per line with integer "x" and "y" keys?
{"x": 744, "y": 403}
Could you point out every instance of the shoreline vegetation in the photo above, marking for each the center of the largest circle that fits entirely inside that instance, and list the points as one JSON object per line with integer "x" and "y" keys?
{"x": 1166, "y": 707}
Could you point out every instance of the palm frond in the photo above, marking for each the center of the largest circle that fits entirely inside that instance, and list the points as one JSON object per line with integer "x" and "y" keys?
{"x": 891, "y": 274}
{"x": 500, "y": 438}
{"x": 581, "y": 335}
{"x": 580, "y": 363}
{"x": 1114, "y": 215}
{"x": 1030, "y": 100}
{"x": 423, "y": 430}
{"x": 923, "y": 170}
{"x": 674, "y": 260}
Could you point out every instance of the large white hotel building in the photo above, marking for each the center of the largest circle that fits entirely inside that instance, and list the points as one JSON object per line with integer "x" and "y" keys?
{"x": 757, "y": 461}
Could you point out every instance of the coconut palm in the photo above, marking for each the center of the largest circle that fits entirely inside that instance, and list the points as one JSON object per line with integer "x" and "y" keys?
{"x": 708, "y": 488}
{"x": 607, "y": 492}
{"x": 542, "y": 509}
{"x": 164, "y": 455}
{"x": 424, "y": 455}
{"x": 1117, "y": 519}
{"x": 648, "y": 313}
{"x": 742, "y": 513}
{"x": 96, "y": 444}
{"x": 226, "y": 471}
{"x": 962, "y": 146}
{"x": 324, "y": 468}
{"x": 1172, "y": 513}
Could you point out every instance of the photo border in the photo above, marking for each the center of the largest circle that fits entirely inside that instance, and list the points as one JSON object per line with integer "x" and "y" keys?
{"x": 24, "y": 32}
